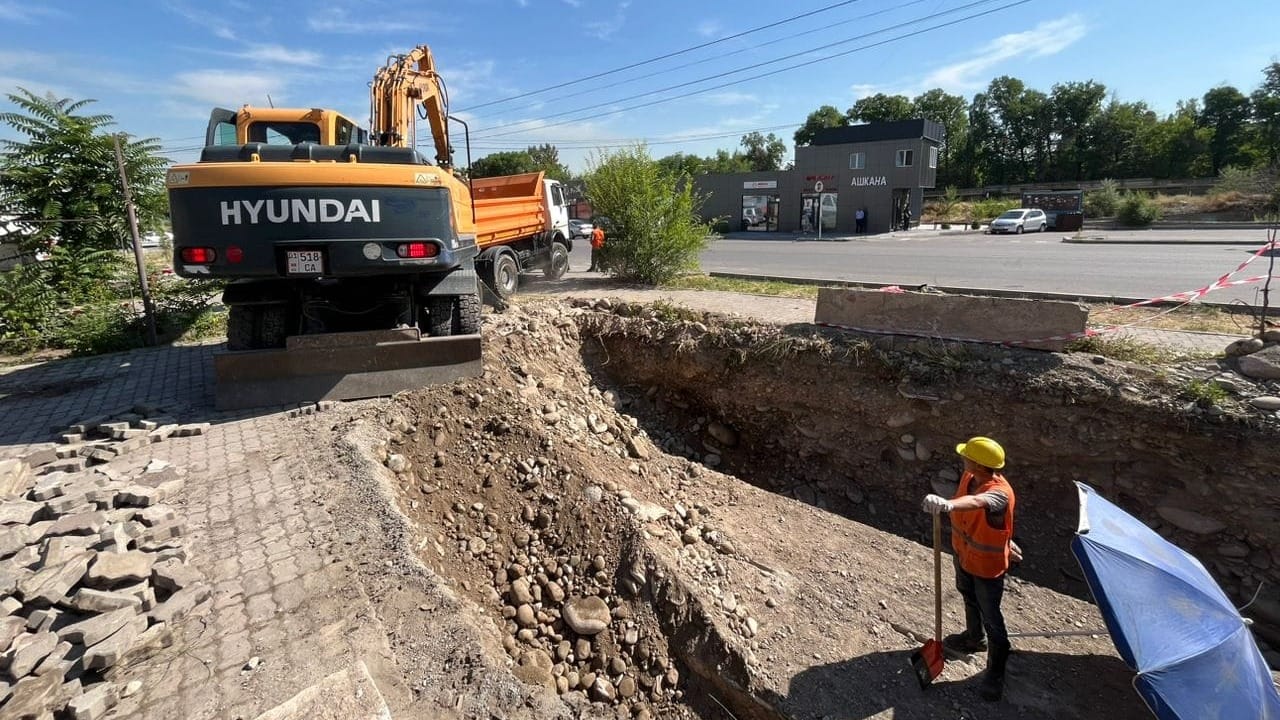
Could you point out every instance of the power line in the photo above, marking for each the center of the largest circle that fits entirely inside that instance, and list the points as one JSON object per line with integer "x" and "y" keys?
{"x": 662, "y": 57}
{"x": 659, "y": 101}
{"x": 731, "y": 53}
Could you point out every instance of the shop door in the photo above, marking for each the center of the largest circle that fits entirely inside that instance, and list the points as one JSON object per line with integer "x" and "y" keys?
{"x": 818, "y": 205}
{"x": 760, "y": 213}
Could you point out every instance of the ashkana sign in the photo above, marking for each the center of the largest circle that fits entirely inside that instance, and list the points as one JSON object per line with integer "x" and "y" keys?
{"x": 868, "y": 181}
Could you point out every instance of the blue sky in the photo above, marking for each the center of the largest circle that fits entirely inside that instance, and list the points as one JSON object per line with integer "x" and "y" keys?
{"x": 159, "y": 66}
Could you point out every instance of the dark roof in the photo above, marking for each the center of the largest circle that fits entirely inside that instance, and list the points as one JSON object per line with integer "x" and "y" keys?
{"x": 875, "y": 132}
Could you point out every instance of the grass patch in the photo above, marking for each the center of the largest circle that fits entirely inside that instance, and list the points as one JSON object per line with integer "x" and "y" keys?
{"x": 1205, "y": 394}
{"x": 1123, "y": 349}
{"x": 753, "y": 287}
{"x": 1192, "y": 318}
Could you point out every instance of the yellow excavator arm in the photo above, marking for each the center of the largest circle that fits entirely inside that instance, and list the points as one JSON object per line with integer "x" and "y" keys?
{"x": 399, "y": 87}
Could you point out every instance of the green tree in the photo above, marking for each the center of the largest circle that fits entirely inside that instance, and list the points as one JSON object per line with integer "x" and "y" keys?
{"x": 881, "y": 108}
{"x": 1226, "y": 112}
{"x": 763, "y": 152}
{"x": 61, "y": 177}
{"x": 1179, "y": 147}
{"x": 546, "y": 158}
{"x": 726, "y": 162}
{"x": 683, "y": 163}
{"x": 1075, "y": 105}
{"x": 508, "y": 162}
{"x": 824, "y": 117}
{"x": 1266, "y": 113}
{"x": 952, "y": 112}
{"x": 654, "y": 232}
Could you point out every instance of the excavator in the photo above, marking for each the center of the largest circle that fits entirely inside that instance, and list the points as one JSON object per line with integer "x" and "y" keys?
{"x": 351, "y": 258}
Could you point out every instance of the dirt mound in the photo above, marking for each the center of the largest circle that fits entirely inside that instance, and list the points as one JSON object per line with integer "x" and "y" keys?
{"x": 574, "y": 500}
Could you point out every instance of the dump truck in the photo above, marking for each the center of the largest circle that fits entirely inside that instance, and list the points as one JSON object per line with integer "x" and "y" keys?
{"x": 353, "y": 262}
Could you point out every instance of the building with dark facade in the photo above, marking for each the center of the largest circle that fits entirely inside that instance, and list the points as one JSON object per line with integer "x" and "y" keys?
{"x": 881, "y": 169}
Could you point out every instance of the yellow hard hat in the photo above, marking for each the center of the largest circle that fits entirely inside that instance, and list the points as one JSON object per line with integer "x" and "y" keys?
{"x": 984, "y": 451}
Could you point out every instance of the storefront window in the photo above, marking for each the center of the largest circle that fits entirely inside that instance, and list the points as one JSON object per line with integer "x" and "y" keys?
{"x": 760, "y": 213}
{"x": 814, "y": 206}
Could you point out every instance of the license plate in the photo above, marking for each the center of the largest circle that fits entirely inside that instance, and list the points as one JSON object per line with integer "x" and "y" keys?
{"x": 304, "y": 262}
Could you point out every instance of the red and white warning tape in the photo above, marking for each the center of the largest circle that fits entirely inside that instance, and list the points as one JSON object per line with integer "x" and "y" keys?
{"x": 1182, "y": 298}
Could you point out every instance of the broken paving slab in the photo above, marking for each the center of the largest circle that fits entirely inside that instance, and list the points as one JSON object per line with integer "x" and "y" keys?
{"x": 16, "y": 478}
{"x": 109, "y": 651}
{"x": 50, "y": 585}
{"x": 345, "y": 695}
{"x": 19, "y": 512}
{"x": 94, "y": 630}
{"x": 101, "y": 601}
{"x": 124, "y": 567}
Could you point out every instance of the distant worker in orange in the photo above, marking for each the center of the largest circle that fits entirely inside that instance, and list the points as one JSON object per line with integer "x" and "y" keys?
{"x": 597, "y": 244}
{"x": 982, "y": 512}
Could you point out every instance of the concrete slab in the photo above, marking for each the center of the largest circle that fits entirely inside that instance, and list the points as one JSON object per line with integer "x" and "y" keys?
{"x": 346, "y": 695}
{"x": 962, "y": 317}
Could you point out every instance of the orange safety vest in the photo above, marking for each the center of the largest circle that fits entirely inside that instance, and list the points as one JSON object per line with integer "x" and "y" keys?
{"x": 597, "y": 238}
{"x": 982, "y": 550}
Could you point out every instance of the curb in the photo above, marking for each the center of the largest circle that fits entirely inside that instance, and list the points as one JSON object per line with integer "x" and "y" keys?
{"x": 1101, "y": 240}
{"x": 989, "y": 292}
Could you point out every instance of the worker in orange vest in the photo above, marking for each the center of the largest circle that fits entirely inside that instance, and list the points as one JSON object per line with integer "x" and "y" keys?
{"x": 982, "y": 513}
{"x": 597, "y": 244}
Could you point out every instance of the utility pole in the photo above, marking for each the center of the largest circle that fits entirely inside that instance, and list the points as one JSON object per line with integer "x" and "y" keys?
{"x": 148, "y": 308}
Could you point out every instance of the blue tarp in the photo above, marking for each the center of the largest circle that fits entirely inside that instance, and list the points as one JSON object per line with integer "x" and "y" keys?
{"x": 1169, "y": 620}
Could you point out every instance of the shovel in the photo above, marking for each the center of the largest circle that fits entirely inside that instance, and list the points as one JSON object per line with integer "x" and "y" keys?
{"x": 927, "y": 661}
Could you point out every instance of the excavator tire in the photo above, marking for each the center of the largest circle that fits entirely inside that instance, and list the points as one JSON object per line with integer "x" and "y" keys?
{"x": 558, "y": 264}
{"x": 450, "y": 315}
{"x": 257, "y": 327}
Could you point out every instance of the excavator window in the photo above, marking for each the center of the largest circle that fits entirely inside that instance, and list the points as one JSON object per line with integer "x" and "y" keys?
{"x": 284, "y": 133}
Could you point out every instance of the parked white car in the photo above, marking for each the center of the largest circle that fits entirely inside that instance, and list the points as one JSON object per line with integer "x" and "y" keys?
{"x": 1019, "y": 221}
{"x": 752, "y": 216}
{"x": 580, "y": 228}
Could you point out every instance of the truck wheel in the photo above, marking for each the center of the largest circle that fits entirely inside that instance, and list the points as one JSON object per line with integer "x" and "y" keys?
{"x": 467, "y": 315}
{"x": 240, "y": 321}
{"x": 558, "y": 264}
{"x": 506, "y": 275}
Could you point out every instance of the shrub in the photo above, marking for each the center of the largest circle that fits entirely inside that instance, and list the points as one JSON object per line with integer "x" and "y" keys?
{"x": 720, "y": 226}
{"x": 1104, "y": 201}
{"x": 1138, "y": 210}
{"x": 990, "y": 208}
{"x": 653, "y": 233}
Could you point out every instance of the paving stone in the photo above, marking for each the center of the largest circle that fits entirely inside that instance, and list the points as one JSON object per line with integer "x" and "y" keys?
{"x": 49, "y": 486}
{"x": 42, "y": 455}
{"x": 15, "y": 478}
{"x": 90, "y": 600}
{"x": 27, "y": 651}
{"x": 19, "y": 512}
{"x": 68, "y": 465}
{"x": 180, "y": 603}
{"x": 31, "y": 697}
{"x": 99, "y": 454}
{"x": 162, "y": 433}
{"x": 10, "y": 628}
{"x": 156, "y": 478}
{"x": 95, "y": 702}
{"x": 13, "y": 539}
{"x": 43, "y": 619}
{"x": 155, "y": 515}
{"x": 151, "y": 641}
{"x": 145, "y": 496}
{"x": 60, "y": 548}
{"x": 88, "y": 523}
{"x": 109, "y": 651}
{"x": 114, "y": 538}
{"x": 27, "y": 557}
{"x": 192, "y": 429}
{"x": 71, "y": 438}
{"x": 67, "y": 503}
{"x": 173, "y": 575}
{"x": 160, "y": 534}
{"x": 57, "y": 661}
{"x": 10, "y": 605}
{"x": 129, "y": 434}
{"x": 125, "y": 567}
{"x": 107, "y": 428}
{"x": 147, "y": 425}
{"x": 134, "y": 443}
{"x": 67, "y": 452}
{"x": 51, "y": 584}
{"x": 97, "y": 628}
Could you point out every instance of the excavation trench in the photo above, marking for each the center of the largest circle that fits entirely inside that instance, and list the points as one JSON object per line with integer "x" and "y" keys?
{"x": 573, "y": 495}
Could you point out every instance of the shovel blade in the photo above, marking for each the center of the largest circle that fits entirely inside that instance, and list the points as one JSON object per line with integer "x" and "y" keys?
{"x": 927, "y": 662}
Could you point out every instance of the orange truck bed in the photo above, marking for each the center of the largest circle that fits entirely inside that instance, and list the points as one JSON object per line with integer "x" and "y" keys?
{"x": 508, "y": 208}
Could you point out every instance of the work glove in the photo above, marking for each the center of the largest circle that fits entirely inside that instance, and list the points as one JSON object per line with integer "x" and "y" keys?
{"x": 934, "y": 504}
{"x": 1015, "y": 552}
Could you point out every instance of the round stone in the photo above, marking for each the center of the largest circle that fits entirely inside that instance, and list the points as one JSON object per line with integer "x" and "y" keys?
{"x": 525, "y": 616}
{"x": 586, "y": 615}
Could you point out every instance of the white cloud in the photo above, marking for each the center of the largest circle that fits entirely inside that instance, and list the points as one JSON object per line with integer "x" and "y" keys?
{"x": 278, "y": 54}
{"x": 730, "y": 97}
{"x": 229, "y": 89}
{"x": 26, "y": 12}
{"x": 220, "y": 27}
{"x": 337, "y": 20}
{"x": 973, "y": 73}
{"x": 604, "y": 29}
{"x": 709, "y": 28}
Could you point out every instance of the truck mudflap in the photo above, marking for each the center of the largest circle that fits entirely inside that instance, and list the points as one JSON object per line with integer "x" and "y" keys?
{"x": 342, "y": 366}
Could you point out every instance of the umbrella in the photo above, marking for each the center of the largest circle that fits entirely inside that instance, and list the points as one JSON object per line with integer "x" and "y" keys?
{"x": 1170, "y": 622}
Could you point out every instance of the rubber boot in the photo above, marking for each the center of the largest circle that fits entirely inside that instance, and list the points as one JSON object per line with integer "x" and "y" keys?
{"x": 992, "y": 687}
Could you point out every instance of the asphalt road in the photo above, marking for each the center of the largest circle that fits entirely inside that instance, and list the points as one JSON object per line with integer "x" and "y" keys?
{"x": 1035, "y": 262}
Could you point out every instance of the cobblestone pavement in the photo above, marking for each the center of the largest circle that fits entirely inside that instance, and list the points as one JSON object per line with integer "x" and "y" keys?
{"x": 257, "y": 530}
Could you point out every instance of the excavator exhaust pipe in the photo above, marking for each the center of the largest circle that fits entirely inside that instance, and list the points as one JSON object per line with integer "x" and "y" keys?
{"x": 342, "y": 366}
